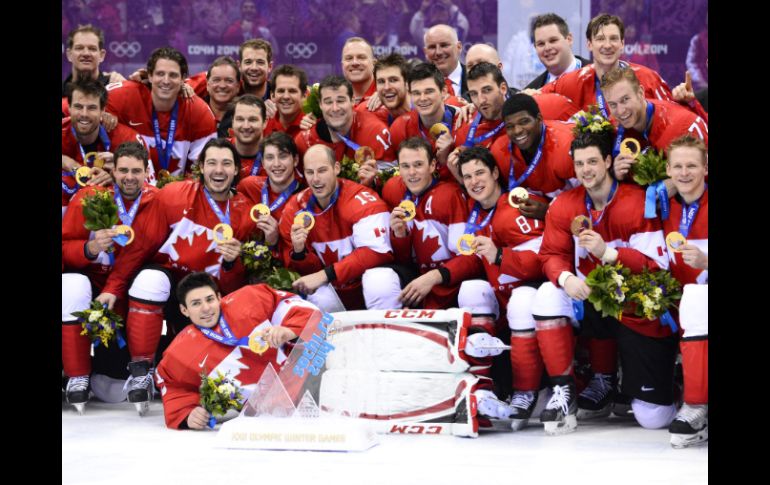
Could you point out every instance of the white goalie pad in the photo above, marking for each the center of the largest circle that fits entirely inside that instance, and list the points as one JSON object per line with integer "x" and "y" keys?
{"x": 400, "y": 340}
{"x": 404, "y": 402}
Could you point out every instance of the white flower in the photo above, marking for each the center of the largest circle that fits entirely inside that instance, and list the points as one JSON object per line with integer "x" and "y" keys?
{"x": 95, "y": 316}
{"x": 618, "y": 279}
{"x": 226, "y": 388}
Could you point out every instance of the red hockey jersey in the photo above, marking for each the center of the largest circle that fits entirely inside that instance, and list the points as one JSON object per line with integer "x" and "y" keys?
{"x": 670, "y": 121}
{"x": 484, "y": 127}
{"x": 131, "y": 102}
{"x": 698, "y": 236}
{"x": 520, "y": 237}
{"x": 366, "y": 130}
{"x": 352, "y": 236}
{"x": 248, "y": 310}
{"x": 75, "y": 236}
{"x": 431, "y": 240}
{"x": 177, "y": 232}
{"x": 554, "y": 106}
{"x": 639, "y": 242}
{"x": 554, "y": 173}
{"x": 580, "y": 85}
{"x": 274, "y": 124}
{"x": 251, "y": 188}
{"x": 70, "y": 147}
{"x": 409, "y": 125}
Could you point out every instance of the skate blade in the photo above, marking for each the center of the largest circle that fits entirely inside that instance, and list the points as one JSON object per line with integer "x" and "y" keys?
{"x": 80, "y": 407}
{"x": 142, "y": 407}
{"x": 586, "y": 414}
{"x": 555, "y": 428}
{"x": 679, "y": 441}
{"x": 519, "y": 424}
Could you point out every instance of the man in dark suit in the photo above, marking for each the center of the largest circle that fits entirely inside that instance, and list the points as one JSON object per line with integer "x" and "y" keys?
{"x": 442, "y": 48}
{"x": 553, "y": 42}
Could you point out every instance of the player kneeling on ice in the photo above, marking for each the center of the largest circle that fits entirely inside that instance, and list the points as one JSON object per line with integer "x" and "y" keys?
{"x": 237, "y": 335}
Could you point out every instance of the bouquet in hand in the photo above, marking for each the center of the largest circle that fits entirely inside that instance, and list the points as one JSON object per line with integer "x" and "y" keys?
{"x": 312, "y": 103}
{"x": 100, "y": 324}
{"x": 100, "y": 211}
{"x": 653, "y": 293}
{"x": 591, "y": 120}
{"x": 387, "y": 174}
{"x": 650, "y": 167}
{"x": 219, "y": 395}
{"x": 609, "y": 285}
{"x": 349, "y": 168}
{"x": 259, "y": 262}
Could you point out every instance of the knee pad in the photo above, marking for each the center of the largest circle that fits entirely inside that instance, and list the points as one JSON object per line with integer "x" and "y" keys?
{"x": 326, "y": 299}
{"x": 381, "y": 288}
{"x": 653, "y": 416}
{"x": 75, "y": 295}
{"x": 478, "y": 297}
{"x": 551, "y": 301}
{"x": 694, "y": 310}
{"x": 151, "y": 285}
{"x": 519, "y": 311}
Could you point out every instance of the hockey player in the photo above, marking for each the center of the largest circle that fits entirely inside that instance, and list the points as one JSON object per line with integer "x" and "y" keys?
{"x": 191, "y": 226}
{"x": 332, "y": 233}
{"x": 345, "y": 130}
{"x": 280, "y": 159}
{"x": 507, "y": 243}
{"x": 539, "y": 152}
{"x": 83, "y": 133}
{"x": 174, "y": 128}
{"x": 248, "y": 128}
{"x": 424, "y": 238}
{"x": 687, "y": 166}
{"x": 605, "y": 34}
{"x": 288, "y": 85}
{"x": 390, "y": 78}
{"x": 651, "y": 122}
{"x": 618, "y": 233}
{"x": 218, "y": 341}
{"x": 87, "y": 259}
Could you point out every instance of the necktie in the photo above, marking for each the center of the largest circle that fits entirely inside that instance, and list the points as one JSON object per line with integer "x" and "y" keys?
{"x": 449, "y": 88}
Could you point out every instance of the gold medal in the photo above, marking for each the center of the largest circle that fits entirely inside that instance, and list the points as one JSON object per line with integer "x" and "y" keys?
{"x": 257, "y": 210}
{"x": 305, "y": 219}
{"x": 222, "y": 232}
{"x": 630, "y": 146}
{"x": 675, "y": 240}
{"x": 464, "y": 244}
{"x": 82, "y": 176}
{"x": 126, "y": 230}
{"x": 517, "y": 196}
{"x": 163, "y": 174}
{"x": 437, "y": 130}
{"x": 579, "y": 224}
{"x": 97, "y": 163}
{"x": 409, "y": 208}
{"x": 363, "y": 154}
{"x": 256, "y": 344}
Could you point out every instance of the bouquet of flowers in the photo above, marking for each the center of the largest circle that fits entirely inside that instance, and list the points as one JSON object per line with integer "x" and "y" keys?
{"x": 219, "y": 395}
{"x": 609, "y": 285}
{"x": 652, "y": 293}
{"x": 387, "y": 174}
{"x": 100, "y": 324}
{"x": 591, "y": 120}
{"x": 349, "y": 168}
{"x": 259, "y": 262}
{"x": 312, "y": 103}
{"x": 100, "y": 211}
{"x": 650, "y": 167}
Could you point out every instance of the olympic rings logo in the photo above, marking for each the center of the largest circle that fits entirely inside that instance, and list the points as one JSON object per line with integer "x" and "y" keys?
{"x": 301, "y": 50}
{"x": 125, "y": 49}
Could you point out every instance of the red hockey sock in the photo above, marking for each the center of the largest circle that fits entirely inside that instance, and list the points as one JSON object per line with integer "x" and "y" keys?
{"x": 526, "y": 363}
{"x": 483, "y": 323}
{"x": 144, "y": 325}
{"x": 555, "y": 339}
{"x": 603, "y": 355}
{"x": 695, "y": 366}
{"x": 75, "y": 350}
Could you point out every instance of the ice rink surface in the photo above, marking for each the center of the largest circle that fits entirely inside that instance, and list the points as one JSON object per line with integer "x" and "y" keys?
{"x": 111, "y": 444}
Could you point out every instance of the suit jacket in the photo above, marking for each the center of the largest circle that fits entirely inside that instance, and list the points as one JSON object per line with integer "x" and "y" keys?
{"x": 539, "y": 81}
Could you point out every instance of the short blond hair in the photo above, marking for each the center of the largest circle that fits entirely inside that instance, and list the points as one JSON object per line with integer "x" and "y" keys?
{"x": 688, "y": 141}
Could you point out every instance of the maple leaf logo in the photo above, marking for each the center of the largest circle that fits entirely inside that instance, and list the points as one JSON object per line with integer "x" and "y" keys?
{"x": 191, "y": 245}
{"x": 426, "y": 247}
{"x": 253, "y": 365}
{"x": 329, "y": 256}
